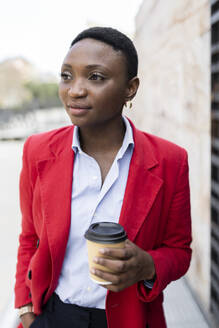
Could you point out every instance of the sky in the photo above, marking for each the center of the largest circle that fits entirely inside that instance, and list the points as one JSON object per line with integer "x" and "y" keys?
{"x": 42, "y": 30}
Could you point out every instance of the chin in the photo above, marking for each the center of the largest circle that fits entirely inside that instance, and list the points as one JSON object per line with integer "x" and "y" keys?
{"x": 78, "y": 121}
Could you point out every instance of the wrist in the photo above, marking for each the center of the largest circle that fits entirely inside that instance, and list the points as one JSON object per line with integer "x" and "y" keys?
{"x": 149, "y": 272}
{"x": 27, "y": 319}
{"x": 25, "y": 310}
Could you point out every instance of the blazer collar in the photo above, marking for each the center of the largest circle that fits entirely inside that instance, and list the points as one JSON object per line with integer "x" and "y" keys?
{"x": 143, "y": 185}
{"x": 61, "y": 141}
{"x": 144, "y": 152}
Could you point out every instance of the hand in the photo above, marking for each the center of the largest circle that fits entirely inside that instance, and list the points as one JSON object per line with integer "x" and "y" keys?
{"x": 27, "y": 319}
{"x": 129, "y": 265}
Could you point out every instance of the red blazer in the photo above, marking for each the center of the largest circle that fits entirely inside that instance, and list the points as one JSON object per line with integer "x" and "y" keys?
{"x": 155, "y": 213}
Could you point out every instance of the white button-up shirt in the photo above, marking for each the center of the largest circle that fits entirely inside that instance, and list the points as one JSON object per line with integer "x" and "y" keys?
{"x": 91, "y": 202}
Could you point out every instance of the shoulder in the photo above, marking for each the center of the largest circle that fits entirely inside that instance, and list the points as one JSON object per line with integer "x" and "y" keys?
{"x": 38, "y": 144}
{"x": 164, "y": 151}
{"x": 157, "y": 146}
{"x": 46, "y": 137}
{"x": 164, "y": 147}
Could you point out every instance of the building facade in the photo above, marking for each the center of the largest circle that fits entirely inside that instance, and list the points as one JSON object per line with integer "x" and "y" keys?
{"x": 174, "y": 101}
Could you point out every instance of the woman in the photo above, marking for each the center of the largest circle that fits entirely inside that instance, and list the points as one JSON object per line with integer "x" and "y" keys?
{"x": 101, "y": 168}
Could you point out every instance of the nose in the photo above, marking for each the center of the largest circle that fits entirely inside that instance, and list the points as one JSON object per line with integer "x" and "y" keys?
{"x": 77, "y": 89}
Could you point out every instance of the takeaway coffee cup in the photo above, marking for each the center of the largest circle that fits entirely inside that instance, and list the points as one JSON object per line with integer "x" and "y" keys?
{"x": 101, "y": 235}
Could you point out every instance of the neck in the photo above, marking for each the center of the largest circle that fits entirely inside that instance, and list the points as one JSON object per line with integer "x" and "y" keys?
{"x": 103, "y": 138}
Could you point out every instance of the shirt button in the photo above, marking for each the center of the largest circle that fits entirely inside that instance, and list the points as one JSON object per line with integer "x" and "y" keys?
{"x": 30, "y": 274}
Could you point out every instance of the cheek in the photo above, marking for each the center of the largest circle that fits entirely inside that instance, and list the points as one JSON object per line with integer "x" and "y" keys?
{"x": 62, "y": 92}
{"x": 110, "y": 96}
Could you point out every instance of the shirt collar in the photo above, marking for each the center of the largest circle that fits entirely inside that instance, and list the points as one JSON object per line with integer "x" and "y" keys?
{"x": 76, "y": 142}
{"x": 128, "y": 139}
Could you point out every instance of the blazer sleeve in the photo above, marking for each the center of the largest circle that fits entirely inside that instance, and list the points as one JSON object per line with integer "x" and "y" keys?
{"x": 28, "y": 237}
{"x": 172, "y": 259}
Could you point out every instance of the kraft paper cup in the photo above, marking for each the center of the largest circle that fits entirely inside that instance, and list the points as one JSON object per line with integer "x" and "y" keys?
{"x": 103, "y": 235}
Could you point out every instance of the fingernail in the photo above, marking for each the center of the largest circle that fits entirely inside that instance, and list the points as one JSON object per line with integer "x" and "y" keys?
{"x": 95, "y": 259}
{"x": 92, "y": 270}
{"x": 102, "y": 250}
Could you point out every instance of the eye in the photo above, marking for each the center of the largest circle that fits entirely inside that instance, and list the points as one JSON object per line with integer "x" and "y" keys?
{"x": 96, "y": 77}
{"x": 66, "y": 76}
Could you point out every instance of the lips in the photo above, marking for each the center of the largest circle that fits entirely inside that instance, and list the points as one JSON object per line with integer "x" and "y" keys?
{"x": 78, "y": 106}
{"x": 78, "y": 109}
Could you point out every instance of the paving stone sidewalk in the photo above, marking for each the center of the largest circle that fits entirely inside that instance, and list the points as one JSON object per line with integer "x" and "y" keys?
{"x": 180, "y": 307}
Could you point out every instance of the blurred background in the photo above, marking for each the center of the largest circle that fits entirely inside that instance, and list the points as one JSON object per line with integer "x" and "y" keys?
{"x": 178, "y": 47}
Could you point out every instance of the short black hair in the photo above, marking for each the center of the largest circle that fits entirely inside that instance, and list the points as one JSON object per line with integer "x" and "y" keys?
{"x": 118, "y": 41}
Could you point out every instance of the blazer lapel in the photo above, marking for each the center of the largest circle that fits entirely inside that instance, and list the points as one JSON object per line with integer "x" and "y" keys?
{"x": 56, "y": 175}
{"x": 142, "y": 186}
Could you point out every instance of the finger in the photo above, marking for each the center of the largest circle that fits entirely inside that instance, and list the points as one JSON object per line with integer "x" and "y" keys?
{"x": 118, "y": 283}
{"x": 117, "y": 253}
{"x": 129, "y": 243}
{"x": 115, "y": 288}
{"x": 116, "y": 266}
{"x": 114, "y": 278}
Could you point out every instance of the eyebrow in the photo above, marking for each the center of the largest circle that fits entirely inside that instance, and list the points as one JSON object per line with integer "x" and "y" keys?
{"x": 67, "y": 65}
{"x": 95, "y": 66}
{"x": 91, "y": 66}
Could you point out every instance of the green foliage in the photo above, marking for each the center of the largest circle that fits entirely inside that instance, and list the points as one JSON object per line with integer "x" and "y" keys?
{"x": 44, "y": 94}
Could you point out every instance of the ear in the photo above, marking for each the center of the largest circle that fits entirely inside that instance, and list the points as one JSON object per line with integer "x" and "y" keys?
{"x": 132, "y": 88}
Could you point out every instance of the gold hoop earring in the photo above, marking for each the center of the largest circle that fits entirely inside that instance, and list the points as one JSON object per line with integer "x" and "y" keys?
{"x": 130, "y": 105}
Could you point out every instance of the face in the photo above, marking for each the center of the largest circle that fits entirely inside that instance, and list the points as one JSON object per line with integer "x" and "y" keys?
{"x": 94, "y": 85}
